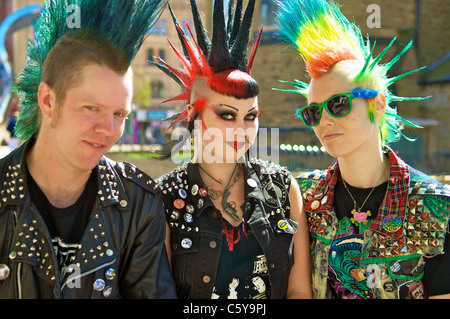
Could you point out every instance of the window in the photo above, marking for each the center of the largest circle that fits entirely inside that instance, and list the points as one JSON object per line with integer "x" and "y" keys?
{"x": 157, "y": 89}
{"x": 150, "y": 54}
{"x": 162, "y": 54}
{"x": 268, "y": 9}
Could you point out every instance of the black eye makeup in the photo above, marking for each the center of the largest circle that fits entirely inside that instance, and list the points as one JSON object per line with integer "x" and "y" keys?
{"x": 226, "y": 115}
{"x": 251, "y": 116}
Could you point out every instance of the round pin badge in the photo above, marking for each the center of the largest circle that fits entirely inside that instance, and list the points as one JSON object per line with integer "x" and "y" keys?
{"x": 4, "y": 271}
{"x": 274, "y": 193}
{"x": 190, "y": 208}
{"x": 315, "y": 204}
{"x": 99, "y": 285}
{"x": 282, "y": 224}
{"x": 174, "y": 215}
{"x": 194, "y": 190}
{"x": 178, "y": 203}
{"x": 318, "y": 195}
{"x": 392, "y": 223}
{"x": 251, "y": 182}
{"x": 202, "y": 192}
{"x": 107, "y": 292}
{"x": 186, "y": 243}
{"x": 395, "y": 267}
{"x": 188, "y": 218}
{"x": 110, "y": 274}
{"x": 200, "y": 203}
{"x": 182, "y": 193}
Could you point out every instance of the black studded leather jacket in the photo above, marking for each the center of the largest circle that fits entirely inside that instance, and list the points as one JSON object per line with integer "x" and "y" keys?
{"x": 196, "y": 241}
{"x": 121, "y": 253}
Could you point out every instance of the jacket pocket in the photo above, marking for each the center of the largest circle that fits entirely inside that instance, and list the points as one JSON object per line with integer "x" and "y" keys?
{"x": 184, "y": 251}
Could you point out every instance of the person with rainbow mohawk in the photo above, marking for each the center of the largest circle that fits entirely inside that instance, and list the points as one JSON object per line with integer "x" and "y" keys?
{"x": 377, "y": 226}
{"x": 75, "y": 224}
{"x": 234, "y": 224}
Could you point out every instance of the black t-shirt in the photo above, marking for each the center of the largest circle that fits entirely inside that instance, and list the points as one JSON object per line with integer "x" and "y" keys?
{"x": 66, "y": 225}
{"x": 242, "y": 272}
{"x": 346, "y": 276}
{"x": 343, "y": 203}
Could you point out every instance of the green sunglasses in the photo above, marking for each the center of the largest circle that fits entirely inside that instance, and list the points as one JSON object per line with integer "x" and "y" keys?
{"x": 337, "y": 106}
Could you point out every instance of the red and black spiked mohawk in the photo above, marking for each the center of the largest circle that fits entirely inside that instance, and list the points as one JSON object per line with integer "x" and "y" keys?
{"x": 222, "y": 60}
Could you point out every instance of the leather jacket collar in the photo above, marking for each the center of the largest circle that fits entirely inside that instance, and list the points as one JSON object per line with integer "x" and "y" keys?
{"x": 32, "y": 243}
{"x": 14, "y": 182}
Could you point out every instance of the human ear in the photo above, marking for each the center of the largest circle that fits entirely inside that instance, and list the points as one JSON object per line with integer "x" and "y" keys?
{"x": 190, "y": 112}
{"x": 46, "y": 99}
{"x": 196, "y": 107}
{"x": 380, "y": 105}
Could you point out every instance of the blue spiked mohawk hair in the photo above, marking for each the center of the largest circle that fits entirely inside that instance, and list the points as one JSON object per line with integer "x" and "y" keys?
{"x": 119, "y": 24}
{"x": 323, "y": 36}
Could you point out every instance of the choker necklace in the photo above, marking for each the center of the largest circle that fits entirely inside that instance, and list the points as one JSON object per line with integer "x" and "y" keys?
{"x": 358, "y": 215}
{"x": 228, "y": 207}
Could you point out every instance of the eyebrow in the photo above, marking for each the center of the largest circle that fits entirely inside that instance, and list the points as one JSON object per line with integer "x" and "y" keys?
{"x": 236, "y": 108}
{"x": 228, "y": 106}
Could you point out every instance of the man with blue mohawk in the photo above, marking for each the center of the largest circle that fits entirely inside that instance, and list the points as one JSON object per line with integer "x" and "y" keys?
{"x": 73, "y": 223}
{"x": 377, "y": 226}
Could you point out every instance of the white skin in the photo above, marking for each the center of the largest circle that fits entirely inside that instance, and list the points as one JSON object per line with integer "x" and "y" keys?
{"x": 75, "y": 135}
{"x": 353, "y": 139}
{"x": 225, "y": 137}
{"x": 224, "y": 112}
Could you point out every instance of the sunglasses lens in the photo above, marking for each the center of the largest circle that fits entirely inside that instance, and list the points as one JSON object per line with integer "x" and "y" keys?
{"x": 311, "y": 115}
{"x": 339, "y": 106}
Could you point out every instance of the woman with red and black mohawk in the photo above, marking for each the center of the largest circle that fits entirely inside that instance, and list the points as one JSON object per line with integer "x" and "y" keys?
{"x": 231, "y": 221}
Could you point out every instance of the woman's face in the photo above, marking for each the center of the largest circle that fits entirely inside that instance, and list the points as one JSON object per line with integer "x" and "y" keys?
{"x": 352, "y": 133}
{"x": 226, "y": 126}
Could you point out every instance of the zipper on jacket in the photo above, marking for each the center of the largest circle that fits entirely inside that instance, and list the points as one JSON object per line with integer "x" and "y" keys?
{"x": 19, "y": 282}
{"x": 15, "y": 218}
{"x": 19, "y": 265}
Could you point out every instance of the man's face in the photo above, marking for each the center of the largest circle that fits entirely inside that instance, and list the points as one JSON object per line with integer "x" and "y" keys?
{"x": 91, "y": 118}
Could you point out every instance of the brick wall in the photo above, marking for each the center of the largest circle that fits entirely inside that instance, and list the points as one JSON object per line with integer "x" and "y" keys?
{"x": 398, "y": 18}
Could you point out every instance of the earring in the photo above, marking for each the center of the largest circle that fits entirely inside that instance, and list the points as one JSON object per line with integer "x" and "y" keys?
{"x": 247, "y": 144}
{"x": 194, "y": 144}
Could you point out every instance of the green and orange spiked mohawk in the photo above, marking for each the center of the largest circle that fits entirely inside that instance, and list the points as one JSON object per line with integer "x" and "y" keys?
{"x": 223, "y": 60}
{"x": 123, "y": 23}
{"x": 323, "y": 36}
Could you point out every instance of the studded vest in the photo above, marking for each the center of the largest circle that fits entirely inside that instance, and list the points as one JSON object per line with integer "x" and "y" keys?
{"x": 127, "y": 221}
{"x": 411, "y": 224}
{"x": 196, "y": 226}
